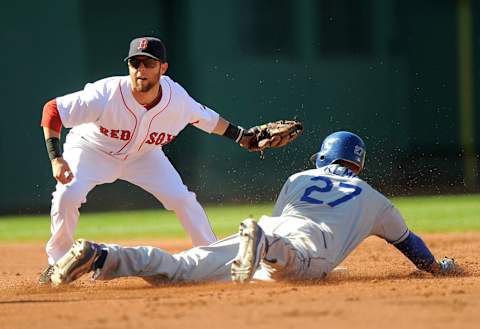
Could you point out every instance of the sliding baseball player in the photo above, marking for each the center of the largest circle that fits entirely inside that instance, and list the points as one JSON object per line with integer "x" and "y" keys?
{"x": 320, "y": 217}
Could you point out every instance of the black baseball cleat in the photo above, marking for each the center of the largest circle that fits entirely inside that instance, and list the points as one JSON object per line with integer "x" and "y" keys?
{"x": 79, "y": 260}
{"x": 251, "y": 250}
{"x": 44, "y": 277}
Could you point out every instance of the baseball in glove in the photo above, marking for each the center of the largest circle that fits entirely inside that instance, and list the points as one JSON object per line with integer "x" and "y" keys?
{"x": 271, "y": 134}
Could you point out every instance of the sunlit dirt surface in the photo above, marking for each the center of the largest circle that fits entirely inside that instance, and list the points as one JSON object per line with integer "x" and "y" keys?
{"x": 379, "y": 289}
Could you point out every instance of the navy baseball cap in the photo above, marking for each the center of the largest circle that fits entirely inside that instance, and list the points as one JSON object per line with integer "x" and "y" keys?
{"x": 147, "y": 46}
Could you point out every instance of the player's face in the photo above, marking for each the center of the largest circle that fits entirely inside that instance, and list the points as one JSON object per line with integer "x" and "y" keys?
{"x": 145, "y": 72}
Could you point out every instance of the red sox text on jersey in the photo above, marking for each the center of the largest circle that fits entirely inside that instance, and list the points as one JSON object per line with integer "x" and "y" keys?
{"x": 157, "y": 138}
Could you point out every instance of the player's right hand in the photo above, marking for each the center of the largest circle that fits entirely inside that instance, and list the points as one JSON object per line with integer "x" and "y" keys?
{"x": 61, "y": 171}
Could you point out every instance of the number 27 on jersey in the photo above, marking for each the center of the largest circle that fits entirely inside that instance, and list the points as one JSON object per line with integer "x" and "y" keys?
{"x": 352, "y": 192}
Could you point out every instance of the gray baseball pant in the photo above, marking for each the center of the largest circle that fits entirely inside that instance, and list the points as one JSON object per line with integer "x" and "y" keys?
{"x": 297, "y": 250}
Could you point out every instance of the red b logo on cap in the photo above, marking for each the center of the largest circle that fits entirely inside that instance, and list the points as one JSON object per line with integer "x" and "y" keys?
{"x": 143, "y": 44}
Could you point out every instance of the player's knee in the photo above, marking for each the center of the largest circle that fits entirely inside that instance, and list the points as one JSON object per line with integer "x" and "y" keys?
{"x": 69, "y": 197}
{"x": 180, "y": 200}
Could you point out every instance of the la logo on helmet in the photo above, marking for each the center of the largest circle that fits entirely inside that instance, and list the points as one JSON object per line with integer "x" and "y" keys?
{"x": 358, "y": 150}
{"x": 143, "y": 44}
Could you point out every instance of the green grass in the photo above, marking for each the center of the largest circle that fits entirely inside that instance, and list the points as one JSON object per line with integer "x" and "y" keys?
{"x": 460, "y": 213}
{"x": 423, "y": 214}
{"x": 128, "y": 224}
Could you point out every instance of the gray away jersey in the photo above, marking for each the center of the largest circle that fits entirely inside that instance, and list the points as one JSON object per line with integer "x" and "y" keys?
{"x": 344, "y": 206}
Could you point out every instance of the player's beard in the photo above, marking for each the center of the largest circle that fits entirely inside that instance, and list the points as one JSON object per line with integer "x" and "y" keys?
{"x": 143, "y": 86}
{"x": 146, "y": 85}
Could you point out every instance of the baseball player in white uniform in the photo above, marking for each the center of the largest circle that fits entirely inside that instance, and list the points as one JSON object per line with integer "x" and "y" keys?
{"x": 119, "y": 125}
{"x": 320, "y": 216}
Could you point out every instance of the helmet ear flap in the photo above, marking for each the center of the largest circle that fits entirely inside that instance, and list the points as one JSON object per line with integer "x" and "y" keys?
{"x": 316, "y": 156}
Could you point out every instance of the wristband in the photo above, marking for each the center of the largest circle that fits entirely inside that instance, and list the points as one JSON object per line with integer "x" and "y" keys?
{"x": 233, "y": 132}
{"x": 53, "y": 148}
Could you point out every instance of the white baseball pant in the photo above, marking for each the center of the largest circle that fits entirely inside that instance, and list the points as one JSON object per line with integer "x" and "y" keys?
{"x": 151, "y": 171}
{"x": 296, "y": 251}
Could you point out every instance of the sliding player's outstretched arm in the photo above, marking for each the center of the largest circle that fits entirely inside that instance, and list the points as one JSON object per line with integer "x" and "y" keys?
{"x": 393, "y": 229}
{"x": 415, "y": 249}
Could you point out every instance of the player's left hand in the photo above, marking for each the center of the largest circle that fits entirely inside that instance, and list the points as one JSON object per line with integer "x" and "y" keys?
{"x": 271, "y": 134}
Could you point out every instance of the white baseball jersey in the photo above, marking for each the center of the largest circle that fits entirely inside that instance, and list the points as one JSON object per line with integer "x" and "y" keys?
{"x": 105, "y": 115}
{"x": 114, "y": 137}
{"x": 346, "y": 208}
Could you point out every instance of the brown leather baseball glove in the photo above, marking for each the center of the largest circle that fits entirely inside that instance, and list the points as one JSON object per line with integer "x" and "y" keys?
{"x": 271, "y": 134}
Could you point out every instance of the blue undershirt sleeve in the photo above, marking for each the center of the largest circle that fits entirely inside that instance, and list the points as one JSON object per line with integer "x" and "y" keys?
{"x": 415, "y": 249}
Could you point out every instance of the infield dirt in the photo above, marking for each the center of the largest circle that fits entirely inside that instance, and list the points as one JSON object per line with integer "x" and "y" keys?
{"x": 380, "y": 289}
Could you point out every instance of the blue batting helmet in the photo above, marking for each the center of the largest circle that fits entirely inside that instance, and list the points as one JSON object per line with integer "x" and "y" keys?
{"x": 341, "y": 145}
